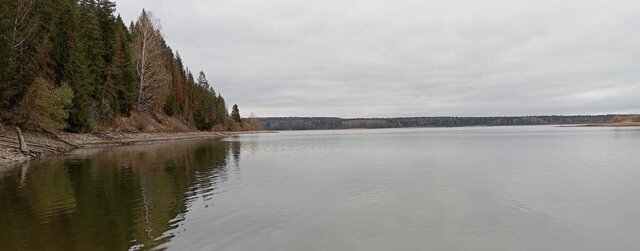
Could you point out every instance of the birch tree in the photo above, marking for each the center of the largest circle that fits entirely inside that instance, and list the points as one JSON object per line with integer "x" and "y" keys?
{"x": 147, "y": 49}
{"x": 22, "y": 28}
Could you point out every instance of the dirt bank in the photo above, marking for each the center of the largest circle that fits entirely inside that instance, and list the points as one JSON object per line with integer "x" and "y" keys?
{"x": 619, "y": 121}
{"x": 615, "y": 124}
{"x": 41, "y": 144}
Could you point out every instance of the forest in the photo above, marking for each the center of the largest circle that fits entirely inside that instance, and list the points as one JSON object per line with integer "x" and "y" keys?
{"x": 327, "y": 123}
{"x": 75, "y": 65}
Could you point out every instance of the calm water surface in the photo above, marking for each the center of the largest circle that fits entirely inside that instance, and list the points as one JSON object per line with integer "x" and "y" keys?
{"x": 498, "y": 188}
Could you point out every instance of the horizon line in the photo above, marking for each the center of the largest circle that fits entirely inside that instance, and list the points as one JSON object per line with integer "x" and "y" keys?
{"x": 453, "y": 116}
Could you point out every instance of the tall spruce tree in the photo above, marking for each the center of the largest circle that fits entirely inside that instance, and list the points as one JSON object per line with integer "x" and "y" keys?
{"x": 204, "y": 117}
{"x": 180, "y": 81}
{"x": 5, "y": 54}
{"x": 121, "y": 70}
{"x": 221, "y": 110}
{"x": 80, "y": 78}
{"x": 105, "y": 94}
{"x": 83, "y": 68}
{"x": 235, "y": 114}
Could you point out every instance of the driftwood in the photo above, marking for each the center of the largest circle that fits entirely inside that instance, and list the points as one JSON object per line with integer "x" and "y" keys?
{"x": 55, "y": 136}
{"x": 23, "y": 143}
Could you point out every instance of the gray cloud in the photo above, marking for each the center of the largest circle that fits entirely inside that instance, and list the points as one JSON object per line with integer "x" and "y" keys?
{"x": 410, "y": 58}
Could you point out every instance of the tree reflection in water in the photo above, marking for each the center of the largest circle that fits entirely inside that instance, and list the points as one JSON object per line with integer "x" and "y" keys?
{"x": 109, "y": 199}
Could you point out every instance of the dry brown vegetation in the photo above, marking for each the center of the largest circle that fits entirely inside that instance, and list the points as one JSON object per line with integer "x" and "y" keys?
{"x": 158, "y": 122}
{"x": 622, "y": 121}
{"x": 245, "y": 126}
{"x": 251, "y": 124}
{"x": 626, "y": 119}
{"x": 150, "y": 122}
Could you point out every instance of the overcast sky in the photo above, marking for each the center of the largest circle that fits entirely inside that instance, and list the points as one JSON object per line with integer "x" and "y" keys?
{"x": 375, "y": 58}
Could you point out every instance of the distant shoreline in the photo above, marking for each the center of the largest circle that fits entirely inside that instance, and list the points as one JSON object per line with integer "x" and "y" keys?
{"x": 614, "y": 124}
{"x": 329, "y": 123}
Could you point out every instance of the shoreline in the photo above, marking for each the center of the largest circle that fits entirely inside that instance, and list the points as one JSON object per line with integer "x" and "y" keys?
{"x": 613, "y": 124}
{"x": 42, "y": 144}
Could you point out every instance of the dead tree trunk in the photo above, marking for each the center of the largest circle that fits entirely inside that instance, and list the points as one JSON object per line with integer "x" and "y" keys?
{"x": 55, "y": 136}
{"x": 23, "y": 143}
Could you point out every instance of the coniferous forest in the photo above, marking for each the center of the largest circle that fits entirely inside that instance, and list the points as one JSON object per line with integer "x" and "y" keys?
{"x": 74, "y": 65}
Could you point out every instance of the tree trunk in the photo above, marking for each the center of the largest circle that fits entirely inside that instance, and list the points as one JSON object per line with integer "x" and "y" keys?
{"x": 23, "y": 144}
{"x": 55, "y": 136}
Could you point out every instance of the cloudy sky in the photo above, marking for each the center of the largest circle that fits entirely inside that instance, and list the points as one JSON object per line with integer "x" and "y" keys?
{"x": 374, "y": 58}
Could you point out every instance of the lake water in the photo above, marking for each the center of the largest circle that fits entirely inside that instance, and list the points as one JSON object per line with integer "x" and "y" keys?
{"x": 493, "y": 188}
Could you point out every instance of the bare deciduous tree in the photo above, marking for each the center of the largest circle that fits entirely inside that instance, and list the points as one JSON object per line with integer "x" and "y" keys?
{"x": 147, "y": 53}
{"x": 22, "y": 28}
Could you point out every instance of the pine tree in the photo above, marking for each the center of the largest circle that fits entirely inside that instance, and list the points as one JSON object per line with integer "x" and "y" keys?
{"x": 190, "y": 93}
{"x": 80, "y": 79}
{"x": 221, "y": 110}
{"x": 83, "y": 69}
{"x": 202, "y": 80}
{"x": 62, "y": 35}
{"x": 204, "y": 116}
{"x": 180, "y": 81}
{"x": 235, "y": 114}
{"x": 171, "y": 107}
{"x": 106, "y": 94}
{"x": 5, "y": 54}
{"x": 122, "y": 70}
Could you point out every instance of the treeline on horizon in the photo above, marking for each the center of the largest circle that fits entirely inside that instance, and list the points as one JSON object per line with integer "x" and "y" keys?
{"x": 328, "y": 123}
{"x": 74, "y": 64}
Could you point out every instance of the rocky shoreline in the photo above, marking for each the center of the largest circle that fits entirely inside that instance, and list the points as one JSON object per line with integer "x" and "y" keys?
{"x": 43, "y": 144}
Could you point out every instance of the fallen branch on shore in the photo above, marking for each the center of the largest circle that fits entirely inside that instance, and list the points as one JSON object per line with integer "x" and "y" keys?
{"x": 23, "y": 144}
{"x": 60, "y": 139}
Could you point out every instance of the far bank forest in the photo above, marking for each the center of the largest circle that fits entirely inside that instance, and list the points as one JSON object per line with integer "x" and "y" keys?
{"x": 75, "y": 66}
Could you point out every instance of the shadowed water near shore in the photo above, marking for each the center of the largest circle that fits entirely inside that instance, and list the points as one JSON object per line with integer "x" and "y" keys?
{"x": 488, "y": 188}
{"x": 108, "y": 199}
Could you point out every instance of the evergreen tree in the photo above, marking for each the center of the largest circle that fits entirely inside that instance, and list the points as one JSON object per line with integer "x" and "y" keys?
{"x": 235, "y": 114}
{"x": 66, "y": 26}
{"x": 171, "y": 105}
{"x": 221, "y": 110}
{"x": 204, "y": 116}
{"x": 202, "y": 80}
{"x": 80, "y": 79}
{"x": 180, "y": 84}
{"x": 5, "y": 54}
{"x": 106, "y": 91}
{"x": 190, "y": 93}
{"x": 122, "y": 71}
{"x": 82, "y": 71}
